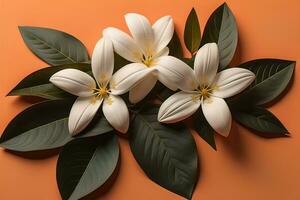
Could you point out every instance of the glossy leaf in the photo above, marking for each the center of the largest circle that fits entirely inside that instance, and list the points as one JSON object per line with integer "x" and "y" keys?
{"x": 192, "y": 34}
{"x": 45, "y": 126}
{"x": 175, "y": 48}
{"x": 261, "y": 120}
{"x": 221, "y": 28}
{"x": 272, "y": 77}
{"x": 53, "y": 46}
{"x": 205, "y": 131}
{"x": 167, "y": 154}
{"x": 85, "y": 164}
{"x": 37, "y": 83}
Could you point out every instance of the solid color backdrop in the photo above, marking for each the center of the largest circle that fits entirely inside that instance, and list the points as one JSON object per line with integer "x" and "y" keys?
{"x": 244, "y": 167}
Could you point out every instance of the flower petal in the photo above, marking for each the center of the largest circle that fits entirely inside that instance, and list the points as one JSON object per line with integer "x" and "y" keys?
{"x": 232, "y": 81}
{"x": 74, "y": 81}
{"x": 141, "y": 31}
{"x": 163, "y": 31}
{"x": 128, "y": 77}
{"x": 163, "y": 52}
{"x": 116, "y": 113}
{"x": 103, "y": 60}
{"x": 217, "y": 115}
{"x": 178, "y": 107}
{"x": 143, "y": 88}
{"x": 174, "y": 73}
{"x": 82, "y": 113}
{"x": 123, "y": 44}
{"x": 206, "y": 63}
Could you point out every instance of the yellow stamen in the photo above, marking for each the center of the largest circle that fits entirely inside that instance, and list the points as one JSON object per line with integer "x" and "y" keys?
{"x": 205, "y": 91}
{"x": 147, "y": 60}
{"x": 101, "y": 92}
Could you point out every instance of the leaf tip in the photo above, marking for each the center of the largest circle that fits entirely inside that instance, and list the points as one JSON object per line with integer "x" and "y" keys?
{"x": 10, "y": 93}
{"x": 224, "y": 5}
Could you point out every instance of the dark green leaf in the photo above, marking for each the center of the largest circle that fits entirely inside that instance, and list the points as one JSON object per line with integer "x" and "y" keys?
{"x": 85, "y": 164}
{"x": 45, "y": 126}
{"x": 261, "y": 120}
{"x": 221, "y": 28}
{"x": 192, "y": 34}
{"x": 167, "y": 154}
{"x": 119, "y": 62}
{"x": 272, "y": 77}
{"x": 37, "y": 83}
{"x": 175, "y": 48}
{"x": 53, "y": 46}
{"x": 203, "y": 128}
{"x": 162, "y": 92}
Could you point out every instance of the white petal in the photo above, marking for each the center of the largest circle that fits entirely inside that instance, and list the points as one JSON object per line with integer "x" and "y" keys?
{"x": 163, "y": 52}
{"x": 206, "y": 63}
{"x": 128, "y": 77}
{"x": 143, "y": 88}
{"x": 178, "y": 107}
{"x": 74, "y": 81}
{"x": 174, "y": 73}
{"x": 82, "y": 113}
{"x": 116, "y": 113}
{"x": 123, "y": 44}
{"x": 217, "y": 115}
{"x": 232, "y": 81}
{"x": 103, "y": 60}
{"x": 141, "y": 31}
{"x": 163, "y": 31}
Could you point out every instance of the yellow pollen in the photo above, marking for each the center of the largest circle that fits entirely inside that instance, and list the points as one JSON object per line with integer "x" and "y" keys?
{"x": 204, "y": 92}
{"x": 109, "y": 101}
{"x": 147, "y": 60}
{"x": 101, "y": 92}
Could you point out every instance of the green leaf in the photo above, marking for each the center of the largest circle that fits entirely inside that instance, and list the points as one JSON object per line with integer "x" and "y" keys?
{"x": 37, "y": 83}
{"x": 119, "y": 62}
{"x": 167, "y": 154}
{"x": 53, "y": 46}
{"x": 175, "y": 48}
{"x": 261, "y": 120}
{"x": 205, "y": 131}
{"x": 192, "y": 34}
{"x": 221, "y": 28}
{"x": 45, "y": 126}
{"x": 85, "y": 164}
{"x": 272, "y": 77}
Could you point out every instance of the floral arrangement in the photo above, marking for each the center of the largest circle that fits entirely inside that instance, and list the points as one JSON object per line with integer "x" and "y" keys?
{"x": 141, "y": 86}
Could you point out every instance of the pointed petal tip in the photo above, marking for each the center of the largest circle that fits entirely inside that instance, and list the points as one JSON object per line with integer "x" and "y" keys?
{"x": 115, "y": 104}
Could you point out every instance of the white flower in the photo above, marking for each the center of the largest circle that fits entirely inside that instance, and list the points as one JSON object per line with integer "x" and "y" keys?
{"x": 91, "y": 94}
{"x": 208, "y": 91}
{"x": 147, "y": 49}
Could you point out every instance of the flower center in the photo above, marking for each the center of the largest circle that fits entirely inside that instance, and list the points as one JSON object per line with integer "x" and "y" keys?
{"x": 204, "y": 92}
{"x": 147, "y": 60}
{"x": 101, "y": 92}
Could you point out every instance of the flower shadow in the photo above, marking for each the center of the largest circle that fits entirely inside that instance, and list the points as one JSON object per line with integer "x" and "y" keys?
{"x": 235, "y": 144}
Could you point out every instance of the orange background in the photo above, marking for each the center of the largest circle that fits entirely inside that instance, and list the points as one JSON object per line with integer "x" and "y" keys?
{"x": 244, "y": 167}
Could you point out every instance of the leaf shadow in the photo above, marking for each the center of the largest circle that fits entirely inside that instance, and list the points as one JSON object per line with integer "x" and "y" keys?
{"x": 106, "y": 187}
{"x": 237, "y": 58}
{"x": 35, "y": 155}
